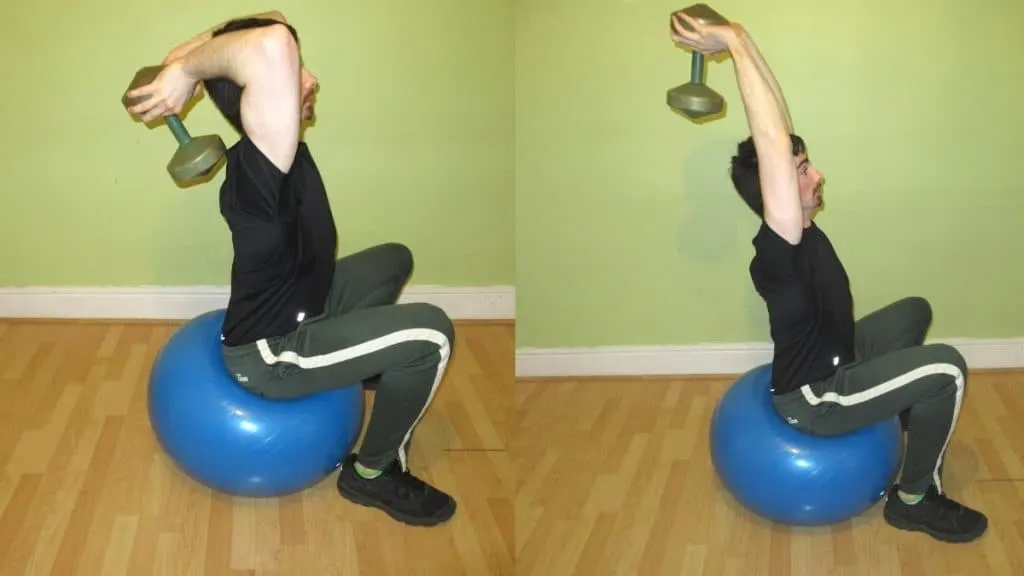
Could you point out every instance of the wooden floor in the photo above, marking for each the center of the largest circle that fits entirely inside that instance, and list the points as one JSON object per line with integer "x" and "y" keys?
{"x": 85, "y": 491}
{"x": 614, "y": 478}
{"x": 609, "y": 477}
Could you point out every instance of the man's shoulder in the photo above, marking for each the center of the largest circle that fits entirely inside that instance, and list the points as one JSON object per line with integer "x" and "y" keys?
{"x": 767, "y": 240}
{"x": 252, "y": 182}
{"x": 245, "y": 162}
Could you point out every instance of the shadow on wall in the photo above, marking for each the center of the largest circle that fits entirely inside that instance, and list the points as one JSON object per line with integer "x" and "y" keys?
{"x": 186, "y": 240}
{"x": 184, "y": 236}
{"x": 712, "y": 212}
{"x": 715, "y": 225}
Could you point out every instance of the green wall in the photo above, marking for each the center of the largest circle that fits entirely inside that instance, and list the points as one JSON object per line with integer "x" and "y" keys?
{"x": 414, "y": 138}
{"x": 528, "y": 143}
{"x": 627, "y": 229}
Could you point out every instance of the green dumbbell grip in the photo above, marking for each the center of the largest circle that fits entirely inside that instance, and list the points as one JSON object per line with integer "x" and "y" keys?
{"x": 178, "y": 129}
{"x": 697, "y": 68}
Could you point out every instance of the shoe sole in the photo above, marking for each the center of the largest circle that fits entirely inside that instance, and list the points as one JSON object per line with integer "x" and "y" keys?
{"x": 941, "y": 536}
{"x": 357, "y": 498}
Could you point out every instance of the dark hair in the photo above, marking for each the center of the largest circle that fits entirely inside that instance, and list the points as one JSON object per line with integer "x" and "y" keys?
{"x": 226, "y": 95}
{"x": 744, "y": 172}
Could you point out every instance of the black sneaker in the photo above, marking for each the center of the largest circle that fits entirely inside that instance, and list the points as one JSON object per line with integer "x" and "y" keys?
{"x": 936, "y": 515}
{"x": 401, "y": 495}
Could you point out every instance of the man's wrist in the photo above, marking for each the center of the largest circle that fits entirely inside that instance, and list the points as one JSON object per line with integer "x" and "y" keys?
{"x": 737, "y": 39}
{"x": 178, "y": 66}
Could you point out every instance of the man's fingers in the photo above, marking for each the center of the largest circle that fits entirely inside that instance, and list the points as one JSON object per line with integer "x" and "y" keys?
{"x": 143, "y": 108}
{"x": 681, "y": 31}
{"x": 149, "y": 109}
{"x": 143, "y": 97}
{"x": 141, "y": 91}
{"x": 153, "y": 114}
{"x": 687, "y": 20}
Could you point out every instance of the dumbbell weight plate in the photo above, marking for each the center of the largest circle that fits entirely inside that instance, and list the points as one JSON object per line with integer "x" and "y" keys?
{"x": 196, "y": 159}
{"x": 695, "y": 100}
{"x": 703, "y": 14}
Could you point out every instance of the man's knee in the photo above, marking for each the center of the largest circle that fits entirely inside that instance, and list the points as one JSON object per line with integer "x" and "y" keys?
{"x": 433, "y": 318}
{"x": 950, "y": 361}
{"x": 399, "y": 257}
{"x": 920, "y": 309}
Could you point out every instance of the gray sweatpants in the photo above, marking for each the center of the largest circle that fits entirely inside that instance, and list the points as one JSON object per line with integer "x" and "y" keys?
{"x": 894, "y": 372}
{"x": 362, "y": 334}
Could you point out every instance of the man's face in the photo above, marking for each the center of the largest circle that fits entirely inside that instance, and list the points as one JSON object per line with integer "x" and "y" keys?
{"x": 810, "y": 182}
{"x": 308, "y": 83}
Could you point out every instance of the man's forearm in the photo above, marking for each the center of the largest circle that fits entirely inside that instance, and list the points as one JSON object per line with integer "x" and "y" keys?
{"x": 765, "y": 114}
{"x": 228, "y": 55}
{"x": 766, "y": 72}
{"x": 206, "y": 35}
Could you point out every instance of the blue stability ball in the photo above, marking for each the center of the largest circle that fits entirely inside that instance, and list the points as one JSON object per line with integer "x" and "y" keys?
{"x": 789, "y": 477}
{"x": 236, "y": 442}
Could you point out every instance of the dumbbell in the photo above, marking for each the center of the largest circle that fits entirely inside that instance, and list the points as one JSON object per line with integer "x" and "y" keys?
{"x": 195, "y": 157}
{"x": 695, "y": 99}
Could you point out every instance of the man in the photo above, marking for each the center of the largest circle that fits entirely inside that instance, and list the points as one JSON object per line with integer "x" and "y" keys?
{"x": 831, "y": 375}
{"x": 299, "y": 322}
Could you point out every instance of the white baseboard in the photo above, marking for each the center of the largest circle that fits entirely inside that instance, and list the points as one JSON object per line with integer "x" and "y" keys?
{"x": 714, "y": 359}
{"x": 184, "y": 302}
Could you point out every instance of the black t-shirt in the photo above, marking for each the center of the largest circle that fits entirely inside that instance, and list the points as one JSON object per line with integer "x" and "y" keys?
{"x": 810, "y": 308}
{"x": 284, "y": 240}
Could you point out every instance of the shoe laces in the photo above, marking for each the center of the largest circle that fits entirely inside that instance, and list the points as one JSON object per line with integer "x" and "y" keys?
{"x": 407, "y": 486}
{"x": 943, "y": 506}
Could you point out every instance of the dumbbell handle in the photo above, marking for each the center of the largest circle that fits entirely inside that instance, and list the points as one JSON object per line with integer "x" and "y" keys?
{"x": 178, "y": 129}
{"x": 697, "y": 68}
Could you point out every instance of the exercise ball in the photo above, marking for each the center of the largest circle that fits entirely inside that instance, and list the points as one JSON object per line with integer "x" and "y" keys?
{"x": 790, "y": 477}
{"x": 236, "y": 442}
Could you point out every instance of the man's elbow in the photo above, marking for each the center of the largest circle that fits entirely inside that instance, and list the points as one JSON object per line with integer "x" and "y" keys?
{"x": 278, "y": 40}
{"x": 277, "y": 15}
{"x": 277, "y": 43}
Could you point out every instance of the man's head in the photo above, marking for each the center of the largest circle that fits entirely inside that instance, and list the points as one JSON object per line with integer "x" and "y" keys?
{"x": 227, "y": 95}
{"x": 747, "y": 181}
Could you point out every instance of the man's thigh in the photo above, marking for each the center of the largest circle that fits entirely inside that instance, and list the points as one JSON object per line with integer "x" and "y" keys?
{"x": 902, "y": 324}
{"x": 369, "y": 278}
{"x": 870, "y": 391}
{"x": 336, "y": 351}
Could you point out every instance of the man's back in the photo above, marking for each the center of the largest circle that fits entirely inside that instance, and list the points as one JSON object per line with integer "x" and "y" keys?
{"x": 810, "y": 308}
{"x": 284, "y": 242}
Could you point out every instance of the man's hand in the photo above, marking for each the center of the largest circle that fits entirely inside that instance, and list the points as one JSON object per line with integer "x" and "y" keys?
{"x": 179, "y": 53}
{"x": 165, "y": 95}
{"x": 706, "y": 39}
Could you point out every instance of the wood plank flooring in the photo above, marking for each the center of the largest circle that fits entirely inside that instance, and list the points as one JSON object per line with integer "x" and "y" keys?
{"x": 85, "y": 490}
{"x": 608, "y": 477}
{"x": 614, "y": 478}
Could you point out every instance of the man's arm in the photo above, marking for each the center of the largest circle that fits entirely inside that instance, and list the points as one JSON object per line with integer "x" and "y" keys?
{"x": 769, "y": 131}
{"x": 207, "y": 34}
{"x": 265, "y": 63}
{"x": 766, "y": 72}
